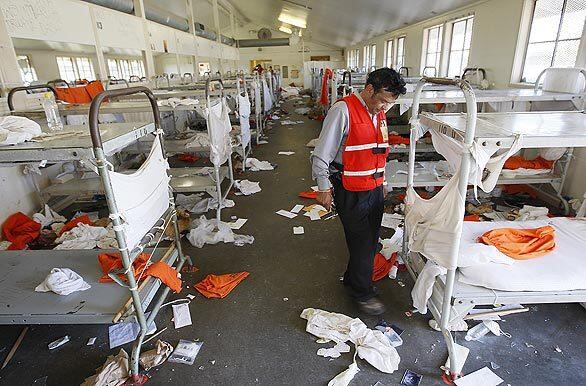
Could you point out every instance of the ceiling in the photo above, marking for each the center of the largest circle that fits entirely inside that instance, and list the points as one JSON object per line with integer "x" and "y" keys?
{"x": 342, "y": 23}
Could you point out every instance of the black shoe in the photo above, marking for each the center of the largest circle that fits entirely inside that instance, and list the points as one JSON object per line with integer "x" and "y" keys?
{"x": 372, "y": 306}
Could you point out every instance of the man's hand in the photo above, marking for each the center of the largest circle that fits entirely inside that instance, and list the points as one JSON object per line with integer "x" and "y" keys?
{"x": 324, "y": 198}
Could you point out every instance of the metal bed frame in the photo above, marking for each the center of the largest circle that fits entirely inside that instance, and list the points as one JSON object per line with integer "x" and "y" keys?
{"x": 103, "y": 303}
{"x": 452, "y": 300}
{"x": 246, "y": 149}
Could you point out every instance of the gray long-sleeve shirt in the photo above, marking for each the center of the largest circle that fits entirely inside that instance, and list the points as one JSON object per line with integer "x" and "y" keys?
{"x": 330, "y": 143}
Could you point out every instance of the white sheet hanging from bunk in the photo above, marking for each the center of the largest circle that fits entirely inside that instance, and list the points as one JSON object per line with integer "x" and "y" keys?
{"x": 257, "y": 98}
{"x": 267, "y": 97}
{"x": 244, "y": 114}
{"x": 219, "y": 130}
{"x": 143, "y": 196}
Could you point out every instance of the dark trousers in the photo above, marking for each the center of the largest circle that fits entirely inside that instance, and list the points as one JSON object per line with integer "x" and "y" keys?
{"x": 361, "y": 215}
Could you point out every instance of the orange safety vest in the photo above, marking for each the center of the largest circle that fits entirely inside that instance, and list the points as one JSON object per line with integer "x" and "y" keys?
{"x": 365, "y": 151}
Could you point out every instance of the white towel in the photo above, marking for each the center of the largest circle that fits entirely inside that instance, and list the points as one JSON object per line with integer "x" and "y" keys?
{"x": 62, "y": 281}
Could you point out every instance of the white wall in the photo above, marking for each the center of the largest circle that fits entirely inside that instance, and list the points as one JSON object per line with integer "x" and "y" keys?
{"x": 494, "y": 39}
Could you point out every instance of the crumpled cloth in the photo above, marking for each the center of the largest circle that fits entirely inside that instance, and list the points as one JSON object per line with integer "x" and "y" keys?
{"x": 48, "y": 217}
{"x": 113, "y": 261}
{"x": 83, "y": 236}
{"x": 195, "y": 203}
{"x": 423, "y": 287}
{"x": 167, "y": 274}
{"x": 199, "y": 140}
{"x": 346, "y": 376}
{"x": 219, "y": 286}
{"x": 211, "y": 232}
{"x": 254, "y": 165}
{"x": 156, "y": 356}
{"x": 371, "y": 345}
{"x": 20, "y": 230}
{"x": 174, "y": 102}
{"x": 14, "y": 130}
{"x": 334, "y": 352}
{"x": 382, "y": 266}
{"x": 83, "y": 219}
{"x": 247, "y": 187}
{"x": 114, "y": 372}
{"x": 521, "y": 244}
{"x": 530, "y": 213}
{"x": 63, "y": 281}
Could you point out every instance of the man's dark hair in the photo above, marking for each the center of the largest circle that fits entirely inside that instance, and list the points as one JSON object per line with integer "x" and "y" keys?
{"x": 388, "y": 80}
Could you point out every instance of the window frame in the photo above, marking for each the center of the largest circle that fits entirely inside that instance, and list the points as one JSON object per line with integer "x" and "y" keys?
{"x": 125, "y": 67}
{"x": 439, "y": 48}
{"x": 523, "y": 42}
{"x": 402, "y": 54}
{"x": 75, "y": 66}
{"x": 372, "y": 56}
{"x": 389, "y": 53}
{"x": 449, "y": 50}
{"x": 366, "y": 56}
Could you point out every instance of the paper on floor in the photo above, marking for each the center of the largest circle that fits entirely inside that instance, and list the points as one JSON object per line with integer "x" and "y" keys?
{"x": 313, "y": 215}
{"x": 296, "y": 209}
{"x": 482, "y": 377}
{"x": 391, "y": 220}
{"x": 286, "y": 152}
{"x": 255, "y": 165}
{"x": 211, "y": 232}
{"x": 247, "y": 187}
{"x": 461, "y": 356}
{"x": 298, "y": 230}
{"x": 286, "y": 213}
{"x": 181, "y": 315}
{"x": 113, "y": 372}
{"x": 122, "y": 333}
{"x": 238, "y": 223}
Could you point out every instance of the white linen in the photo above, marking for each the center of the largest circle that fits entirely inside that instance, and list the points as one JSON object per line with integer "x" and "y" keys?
{"x": 247, "y": 187}
{"x": 14, "y": 130}
{"x": 143, "y": 196}
{"x": 48, "y": 217}
{"x": 244, "y": 115}
{"x": 83, "y": 236}
{"x": 562, "y": 269}
{"x": 219, "y": 131}
{"x": 255, "y": 165}
{"x": 62, "y": 281}
{"x": 267, "y": 97}
{"x": 423, "y": 287}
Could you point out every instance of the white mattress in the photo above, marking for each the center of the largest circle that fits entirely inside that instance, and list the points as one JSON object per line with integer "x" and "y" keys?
{"x": 563, "y": 269}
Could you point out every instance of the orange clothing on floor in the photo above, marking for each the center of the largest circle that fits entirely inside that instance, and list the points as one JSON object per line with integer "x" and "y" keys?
{"x": 521, "y": 244}
{"x": 382, "y": 266}
{"x": 110, "y": 261}
{"x": 73, "y": 223}
{"x": 472, "y": 217}
{"x": 517, "y": 162}
{"x": 166, "y": 273}
{"x": 398, "y": 140}
{"x": 20, "y": 230}
{"x": 219, "y": 286}
{"x": 309, "y": 194}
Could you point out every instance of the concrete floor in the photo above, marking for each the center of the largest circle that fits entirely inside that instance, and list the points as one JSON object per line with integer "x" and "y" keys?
{"x": 255, "y": 337}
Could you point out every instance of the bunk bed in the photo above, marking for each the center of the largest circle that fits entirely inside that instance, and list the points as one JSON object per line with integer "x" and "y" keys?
{"x": 437, "y": 239}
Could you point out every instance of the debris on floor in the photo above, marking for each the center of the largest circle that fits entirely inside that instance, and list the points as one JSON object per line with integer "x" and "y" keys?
{"x": 298, "y": 230}
{"x": 482, "y": 377}
{"x": 286, "y": 213}
{"x": 235, "y": 225}
{"x": 286, "y": 152}
{"x": 206, "y": 231}
{"x": 59, "y": 342}
{"x": 411, "y": 378}
{"x": 113, "y": 372}
{"x": 247, "y": 187}
{"x": 185, "y": 352}
{"x": 482, "y": 329}
{"x": 219, "y": 286}
{"x": 254, "y": 165}
{"x": 181, "y": 315}
{"x": 461, "y": 356}
{"x": 156, "y": 356}
{"x": 91, "y": 341}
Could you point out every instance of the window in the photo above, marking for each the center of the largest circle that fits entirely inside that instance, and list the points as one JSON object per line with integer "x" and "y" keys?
{"x": 389, "y": 54}
{"x": 400, "y": 52}
{"x": 433, "y": 50}
{"x": 372, "y": 56}
{"x": 366, "y": 58}
{"x": 125, "y": 68}
{"x": 554, "y": 38}
{"x": 353, "y": 58}
{"x": 460, "y": 46}
{"x": 27, "y": 72}
{"x": 73, "y": 68}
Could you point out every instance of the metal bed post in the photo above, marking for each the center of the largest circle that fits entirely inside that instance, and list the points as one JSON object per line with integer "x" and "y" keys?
{"x": 127, "y": 257}
{"x": 258, "y": 107}
{"x": 464, "y": 172}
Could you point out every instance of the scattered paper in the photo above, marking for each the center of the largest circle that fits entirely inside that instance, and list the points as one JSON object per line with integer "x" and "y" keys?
{"x": 238, "y": 223}
{"x": 313, "y": 215}
{"x": 262, "y": 142}
{"x": 181, "y": 315}
{"x": 91, "y": 341}
{"x": 59, "y": 342}
{"x": 298, "y": 230}
{"x": 185, "y": 352}
{"x": 286, "y": 213}
{"x": 482, "y": 377}
{"x": 461, "y": 356}
{"x": 391, "y": 220}
{"x": 190, "y": 296}
{"x": 122, "y": 333}
{"x": 297, "y": 208}
{"x": 286, "y": 152}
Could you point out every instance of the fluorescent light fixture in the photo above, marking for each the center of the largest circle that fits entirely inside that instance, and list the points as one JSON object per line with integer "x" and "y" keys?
{"x": 285, "y": 29}
{"x": 296, "y": 16}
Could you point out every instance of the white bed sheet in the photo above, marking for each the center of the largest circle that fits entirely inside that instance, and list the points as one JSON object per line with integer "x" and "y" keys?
{"x": 563, "y": 269}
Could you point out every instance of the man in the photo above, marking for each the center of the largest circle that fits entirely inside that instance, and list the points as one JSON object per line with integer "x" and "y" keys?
{"x": 348, "y": 164}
